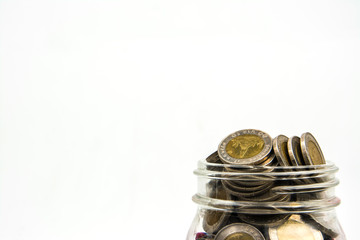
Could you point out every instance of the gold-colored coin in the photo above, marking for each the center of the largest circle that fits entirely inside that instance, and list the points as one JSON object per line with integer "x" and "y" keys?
{"x": 294, "y": 150}
{"x": 281, "y": 150}
{"x": 293, "y": 229}
{"x": 239, "y": 231}
{"x": 245, "y": 147}
{"x": 311, "y": 150}
{"x": 214, "y": 220}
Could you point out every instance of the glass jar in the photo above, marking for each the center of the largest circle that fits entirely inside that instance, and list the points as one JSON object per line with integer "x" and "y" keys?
{"x": 265, "y": 203}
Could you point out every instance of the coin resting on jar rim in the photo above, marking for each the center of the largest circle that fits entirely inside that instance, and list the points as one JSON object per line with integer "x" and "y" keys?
{"x": 245, "y": 147}
{"x": 311, "y": 150}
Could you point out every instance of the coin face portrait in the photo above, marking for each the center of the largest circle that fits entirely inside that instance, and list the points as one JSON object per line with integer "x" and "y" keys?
{"x": 240, "y": 236}
{"x": 245, "y": 146}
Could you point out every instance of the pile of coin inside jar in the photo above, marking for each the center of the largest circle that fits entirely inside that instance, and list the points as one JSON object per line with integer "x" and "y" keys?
{"x": 252, "y": 152}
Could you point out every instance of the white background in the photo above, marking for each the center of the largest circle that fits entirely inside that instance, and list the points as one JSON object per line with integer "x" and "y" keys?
{"x": 107, "y": 105}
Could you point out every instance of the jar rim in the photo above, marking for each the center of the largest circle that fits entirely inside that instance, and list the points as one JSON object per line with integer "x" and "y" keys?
{"x": 316, "y": 180}
{"x": 217, "y": 170}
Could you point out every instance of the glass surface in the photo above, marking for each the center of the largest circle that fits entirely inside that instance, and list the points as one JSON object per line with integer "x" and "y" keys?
{"x": 281, "y": 203}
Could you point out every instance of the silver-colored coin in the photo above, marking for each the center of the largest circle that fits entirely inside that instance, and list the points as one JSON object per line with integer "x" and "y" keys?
{"x": 214, "y": 158}
{"x": 319, "y": 223}
{"x": 266, "y": 196}
{"x": 261, "y": 167}
{"x": 293, "y": 229}
{"x": 245, "y": 147}
{"x": 237, "y": 231}
{"x": 294, "y": 150}
{"x": 281, "y": 150}
{"x": 247, "y": 192}
{"x": 270, "y": 220}
{"x": 311, "y": 150}
{"x": 248, "y": 180}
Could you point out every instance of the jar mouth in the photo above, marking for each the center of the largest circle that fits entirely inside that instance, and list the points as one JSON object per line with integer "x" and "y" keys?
{"x": 260, "y": 208}
{"x": 229, "y": 171}
{"x": 266, "y": 189}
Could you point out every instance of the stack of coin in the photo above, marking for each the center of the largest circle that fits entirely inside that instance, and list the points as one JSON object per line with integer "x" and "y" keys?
{"x": 254, "y": 152}
{"x": 249, "y": 148}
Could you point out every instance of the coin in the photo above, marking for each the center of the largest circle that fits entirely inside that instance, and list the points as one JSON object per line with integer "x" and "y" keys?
{"x": 234, "y": 185}
{"x": 311, "y": 150}
{"x": 239, "y": 231}
{"x": 214, "y": 220}
{"x": 294, "y": 150}
{"x": 267, "y": 196}
{"x": 293, "y": 229}
{"x": 245, "y": 147}
{"x": 270, "y": 220}
{"x": 247, "y": 193}
{"x": 250, "y": 180}
{"x": 281, "y": 150}
{"x": 320, "y": 224}
{"x": 214, "y": 158}
{"x": 267, "y": 161}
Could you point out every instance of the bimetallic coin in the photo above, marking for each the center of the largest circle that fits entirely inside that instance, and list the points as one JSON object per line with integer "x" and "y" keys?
{"x": 294, "y": 150}
{"x": 269, "y": 160}
{"x": 293, "y": 229}
{"x": 281, "y": 150}
{"x": 311, "y": 150}
{"x": 215, "y": 220}
{"x": 245, "y": 147}
{"x": 239, "y": 231}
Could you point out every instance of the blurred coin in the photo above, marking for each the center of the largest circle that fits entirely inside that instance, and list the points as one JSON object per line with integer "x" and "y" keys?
{"x": 320, "y": 225}
{"x": 267, "y": 196}
{"x": 294, "y": 150}
{"x": 246, "y": 193}
{"x": 237, "y": 187}
{"x": 214, "y": 158}
{"x": 239, "y": 231}
{"x": 281, "y": 150}
{"x": 245, "y": 147}
{"x": 214, "y": 220}
{"x": 269, "y": 220}
{"x": 311, "y": 150}
{"x": 294, "y": 229}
